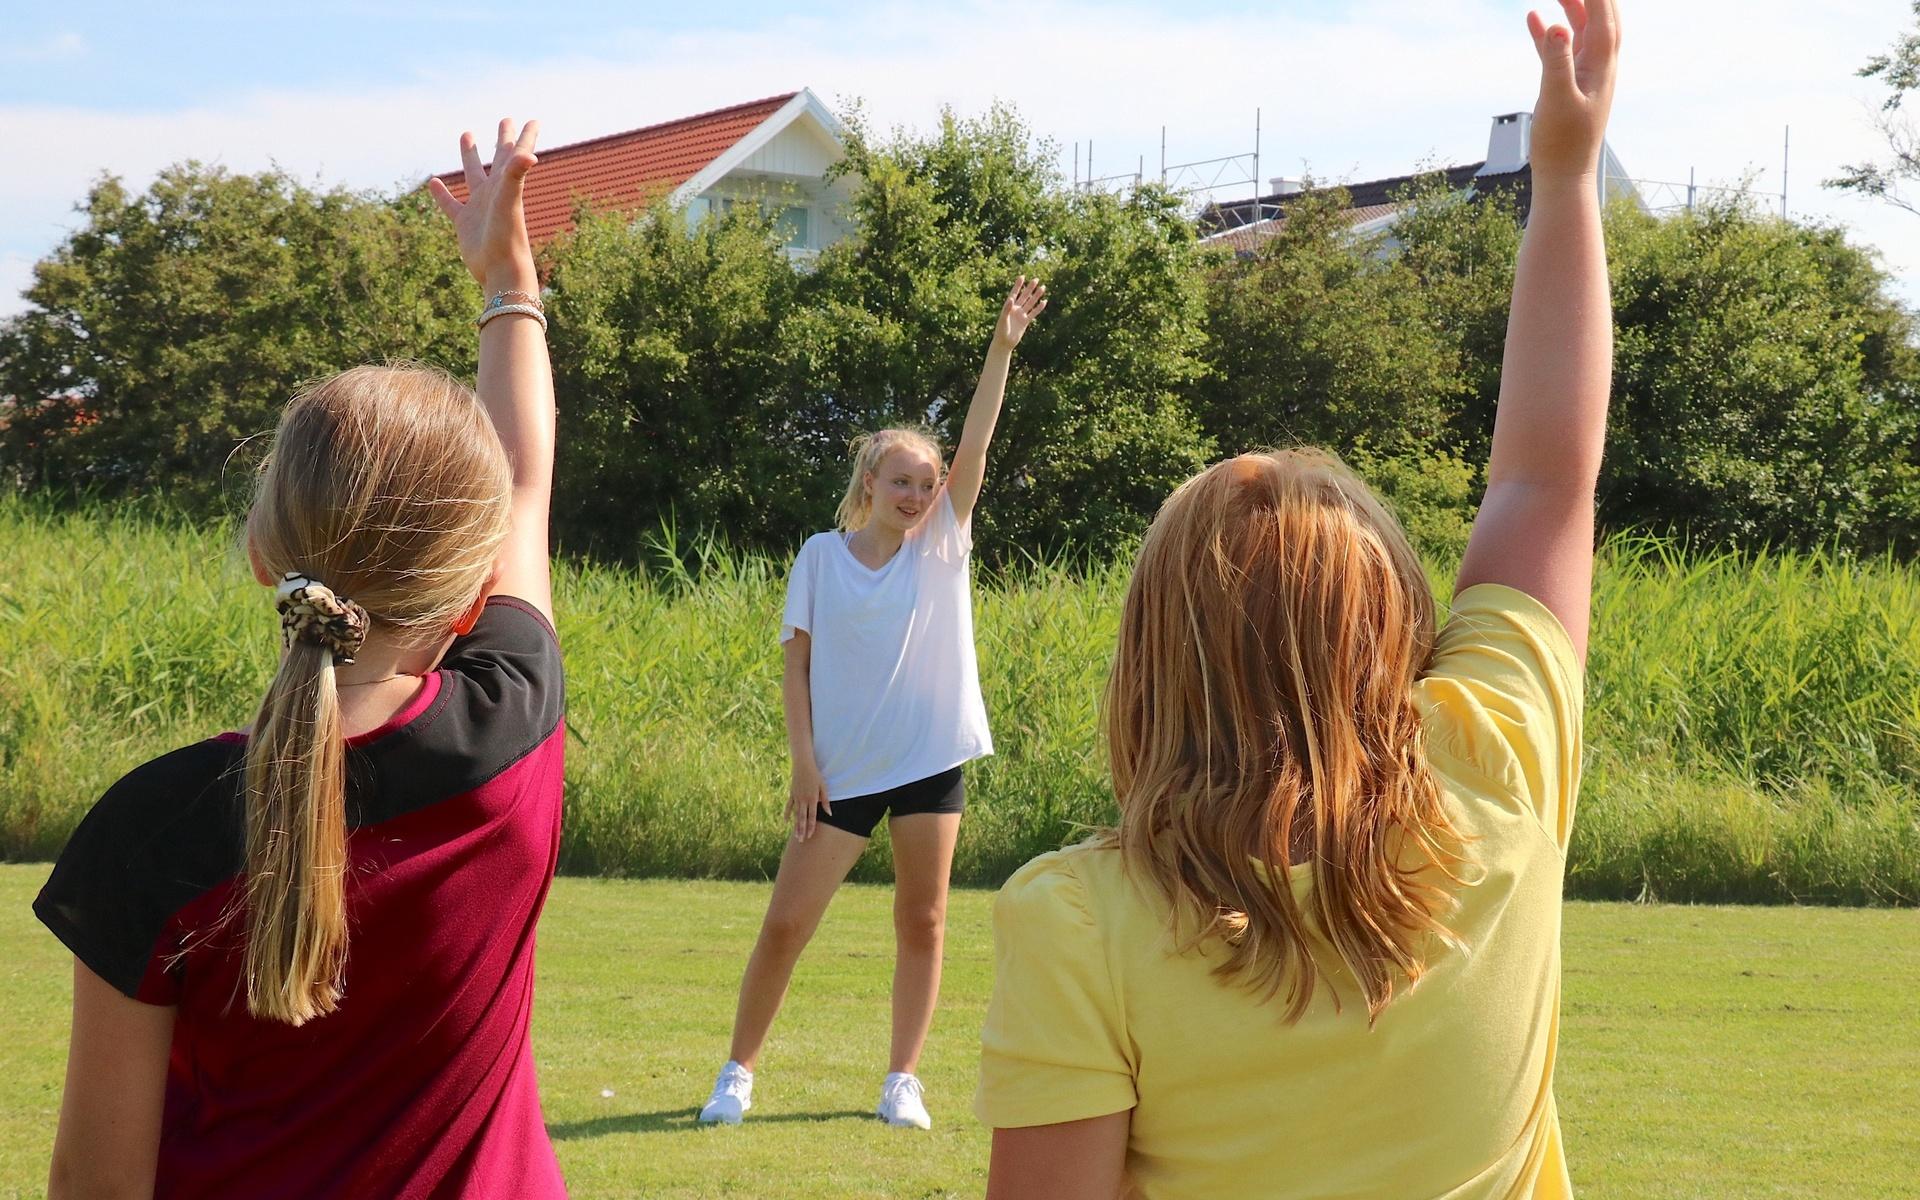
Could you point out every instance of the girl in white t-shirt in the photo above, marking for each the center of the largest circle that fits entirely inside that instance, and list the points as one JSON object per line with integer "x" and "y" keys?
{"x": 883, "y": 705}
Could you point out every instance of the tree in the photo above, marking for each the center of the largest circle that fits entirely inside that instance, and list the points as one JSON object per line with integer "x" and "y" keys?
{"x": 1357, "y": 344}
{"x": 1321, "y": 337}
{"x": 1765, "y": 385}
{"x": 174, "y": 324}
{"x": 1461, "y": 256}
{"x": 677, "y": 369}
{"x": 1096, "y": 429}
{"x": 1900, "y": 70}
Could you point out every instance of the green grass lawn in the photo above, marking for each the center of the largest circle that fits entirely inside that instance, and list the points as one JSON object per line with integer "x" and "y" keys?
{"x": 1737, "y": 1052}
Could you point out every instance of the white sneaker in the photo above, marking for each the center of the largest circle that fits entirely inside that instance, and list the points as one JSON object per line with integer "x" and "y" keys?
{"x": 903, "y": 1103}
{"x": 732, "y": 1096}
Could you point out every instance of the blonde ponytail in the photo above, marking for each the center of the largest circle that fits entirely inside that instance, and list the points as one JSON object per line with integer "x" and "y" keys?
{"x": 296, "y": 842}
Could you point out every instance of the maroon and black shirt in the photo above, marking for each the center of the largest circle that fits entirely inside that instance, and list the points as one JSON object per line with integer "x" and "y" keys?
{"x": 421, "y": 1084}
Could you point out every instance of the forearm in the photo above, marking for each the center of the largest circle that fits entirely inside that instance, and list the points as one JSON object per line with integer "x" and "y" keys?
{"x": 516, "y": 386}
{"x": 1554, "y": 381}
{"x": 988, "y": 395}
{"x": 797, "y": 696}
{"x": 970, "y": 458}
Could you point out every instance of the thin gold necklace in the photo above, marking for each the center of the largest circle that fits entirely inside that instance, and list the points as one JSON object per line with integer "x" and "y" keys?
{"x": 382, "y": 679}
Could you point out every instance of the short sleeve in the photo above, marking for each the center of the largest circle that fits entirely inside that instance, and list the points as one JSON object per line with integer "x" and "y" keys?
{"x": 154, "y": 843}
{"x": 506, "y": 690}
{"x": 798, "y": 616}
{"x": 1054, "y": 1047}
{"x": 1505, "y": 697}
{"x": 946, "y": 539}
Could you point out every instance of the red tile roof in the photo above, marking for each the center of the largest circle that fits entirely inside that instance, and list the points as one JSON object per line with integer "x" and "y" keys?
{"x": 628, "y": 170}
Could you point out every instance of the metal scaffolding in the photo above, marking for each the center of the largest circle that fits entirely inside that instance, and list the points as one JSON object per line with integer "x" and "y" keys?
{"x": 1202, "y": 181}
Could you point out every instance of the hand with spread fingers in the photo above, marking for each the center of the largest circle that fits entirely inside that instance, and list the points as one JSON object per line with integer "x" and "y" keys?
{"x": 492, "y": 224}
{"x": 1577, "y": 66}
{"x": 1027, "y": 300}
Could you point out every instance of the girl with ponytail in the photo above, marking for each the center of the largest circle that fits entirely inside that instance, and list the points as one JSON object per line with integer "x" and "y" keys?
{"x": 303, "y": 951}
{"x": 883, "y": 706}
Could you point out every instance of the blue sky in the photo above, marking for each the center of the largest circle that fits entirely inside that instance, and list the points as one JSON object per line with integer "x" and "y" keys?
{"x": 137, "y": 57}
{"x": 373, "y": 95}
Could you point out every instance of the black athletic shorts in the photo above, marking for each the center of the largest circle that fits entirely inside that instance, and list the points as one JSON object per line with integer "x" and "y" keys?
{"x": 942, "y": 793}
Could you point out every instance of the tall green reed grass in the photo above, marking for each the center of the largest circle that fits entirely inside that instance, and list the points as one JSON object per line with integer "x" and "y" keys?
{"x": 1753, "y": 727}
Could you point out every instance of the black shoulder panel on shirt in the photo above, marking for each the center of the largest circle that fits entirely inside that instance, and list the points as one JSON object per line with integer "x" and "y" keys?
{"x": 166, "y": 833}
{"x": 502, "y": 694}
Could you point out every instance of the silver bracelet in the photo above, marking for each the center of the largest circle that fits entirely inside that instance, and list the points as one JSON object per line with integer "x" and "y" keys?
{"x": 500, "y": 310}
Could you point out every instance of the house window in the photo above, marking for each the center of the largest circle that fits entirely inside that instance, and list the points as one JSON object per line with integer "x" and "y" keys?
{"x": 792, "y": 224}
{"x": 791, "y": 221}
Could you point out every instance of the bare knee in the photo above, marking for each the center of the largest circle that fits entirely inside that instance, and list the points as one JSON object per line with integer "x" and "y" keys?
{"x": 920, "y": 926}
{"x": 785, "y": 935}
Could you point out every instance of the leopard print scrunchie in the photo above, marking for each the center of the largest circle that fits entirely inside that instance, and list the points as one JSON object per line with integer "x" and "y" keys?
{"x": 309, "y": 611}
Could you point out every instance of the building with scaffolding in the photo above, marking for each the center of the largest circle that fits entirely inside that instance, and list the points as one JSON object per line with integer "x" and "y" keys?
{"x": 1372, "y": 206}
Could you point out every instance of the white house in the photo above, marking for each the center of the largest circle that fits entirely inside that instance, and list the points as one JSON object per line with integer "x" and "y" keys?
{"x": 772, "y": 152}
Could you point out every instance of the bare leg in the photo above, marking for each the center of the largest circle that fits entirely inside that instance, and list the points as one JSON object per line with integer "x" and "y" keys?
{"x": 922, "y": 860}
{"x": 810, "y": 873}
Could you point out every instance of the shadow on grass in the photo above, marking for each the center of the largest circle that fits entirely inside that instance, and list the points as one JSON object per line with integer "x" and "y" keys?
{"x": 678, "y": 1119}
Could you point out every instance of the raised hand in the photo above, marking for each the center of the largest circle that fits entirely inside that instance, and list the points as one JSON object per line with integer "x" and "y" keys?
{"x": 1027, "y": 300}
{"x": 492, "y": 224}
{"x": 1577, "y": 63}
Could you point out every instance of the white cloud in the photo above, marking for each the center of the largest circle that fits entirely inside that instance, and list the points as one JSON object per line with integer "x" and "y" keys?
{"x": 1387, "y": 86}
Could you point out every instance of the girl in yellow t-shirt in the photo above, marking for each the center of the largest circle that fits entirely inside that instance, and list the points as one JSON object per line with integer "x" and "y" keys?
{"x": 1320, "y": 954}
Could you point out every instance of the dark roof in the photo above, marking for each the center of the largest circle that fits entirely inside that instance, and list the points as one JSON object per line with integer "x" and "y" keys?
{"x": 1242, "y": 226}
{"x": 627, "y": 170}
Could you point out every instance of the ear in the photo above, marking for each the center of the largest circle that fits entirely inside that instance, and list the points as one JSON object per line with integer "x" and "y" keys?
{"x": 464, "y": 623}
{"x": 260, "y": 571}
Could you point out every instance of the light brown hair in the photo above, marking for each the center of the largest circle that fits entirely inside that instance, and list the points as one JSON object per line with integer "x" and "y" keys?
{"x": 868, "y": 450}
{"x": 390, "y": 486}
{"x": 1260, "y": 714}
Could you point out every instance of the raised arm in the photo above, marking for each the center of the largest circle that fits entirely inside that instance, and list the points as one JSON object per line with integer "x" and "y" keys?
{"x": 1535, "y": 527}
{"x": 516, "y": 379}
{"x": 1027, "y": 301}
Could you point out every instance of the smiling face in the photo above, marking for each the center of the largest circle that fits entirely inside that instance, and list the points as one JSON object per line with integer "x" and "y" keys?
{"x": 901, "y": 488}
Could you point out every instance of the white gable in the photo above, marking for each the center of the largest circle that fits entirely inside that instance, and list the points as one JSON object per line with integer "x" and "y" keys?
{"x": 780, "y": 166}
{"x": 801, "y": 149}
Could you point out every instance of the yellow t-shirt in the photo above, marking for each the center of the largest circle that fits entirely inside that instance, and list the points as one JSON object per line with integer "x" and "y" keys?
{"x": 1450, "y": 1094}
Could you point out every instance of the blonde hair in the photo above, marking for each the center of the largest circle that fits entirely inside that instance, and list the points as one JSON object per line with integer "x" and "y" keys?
{"x": 869, "y": 450}
{"x": 1261, "y": 701}
{"x": 390, "y": 486}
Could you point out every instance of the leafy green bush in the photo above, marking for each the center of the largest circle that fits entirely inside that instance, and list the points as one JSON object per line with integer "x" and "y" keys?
{"x": 174, "y": 324}
{"x": 1766, "y": 387}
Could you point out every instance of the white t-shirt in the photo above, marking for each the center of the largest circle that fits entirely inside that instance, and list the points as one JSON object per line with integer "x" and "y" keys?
{"x": 895, "y": 685}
